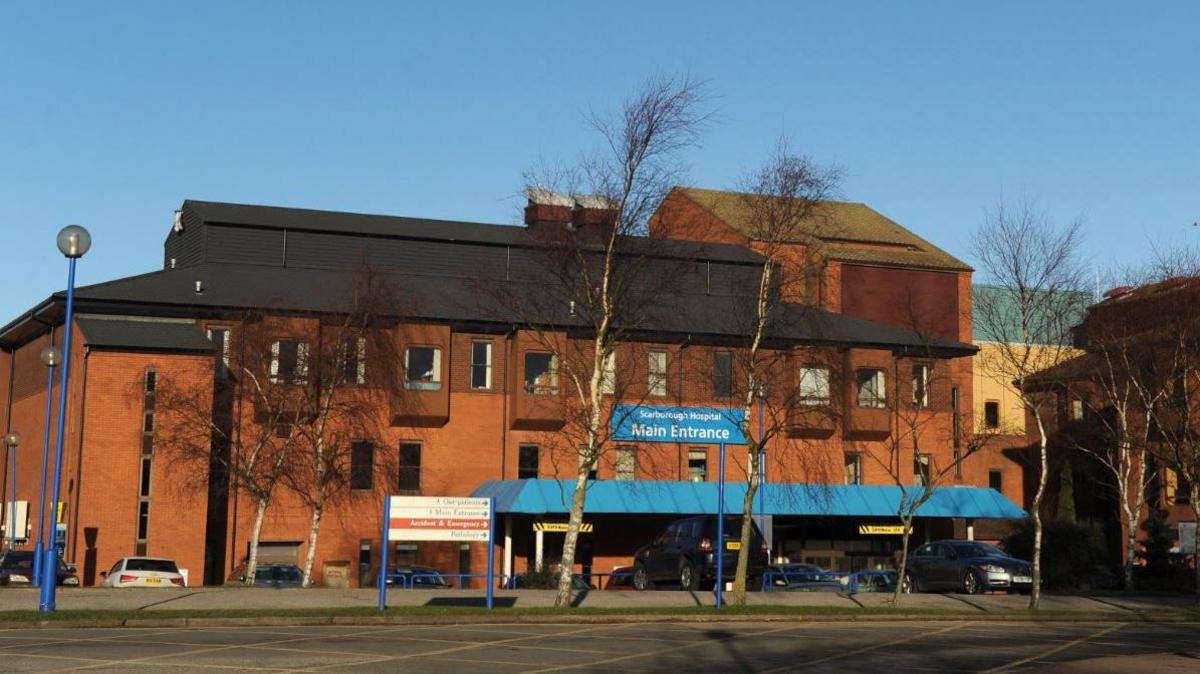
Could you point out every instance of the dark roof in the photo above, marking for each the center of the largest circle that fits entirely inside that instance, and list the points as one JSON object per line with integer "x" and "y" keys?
{"x": 126, "y": 333}
{"x": 276, "y": 217}
{"x": 435, "y": 298}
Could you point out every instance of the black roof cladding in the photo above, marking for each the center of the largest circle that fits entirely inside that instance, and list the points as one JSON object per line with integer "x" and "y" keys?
{"x": 448, "y": 291}
{"x": 118, "y": 332}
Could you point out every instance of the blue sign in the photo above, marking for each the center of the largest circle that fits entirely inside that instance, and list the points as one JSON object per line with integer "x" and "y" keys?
{"x": 662, "y": 423}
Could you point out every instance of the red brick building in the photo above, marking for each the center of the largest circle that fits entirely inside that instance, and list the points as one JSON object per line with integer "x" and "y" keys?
{"x": 478, "y": 413}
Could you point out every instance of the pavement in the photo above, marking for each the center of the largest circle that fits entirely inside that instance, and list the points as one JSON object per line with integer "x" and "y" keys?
{"x": 768, "y": 647}
{"x": 239, "y": 598}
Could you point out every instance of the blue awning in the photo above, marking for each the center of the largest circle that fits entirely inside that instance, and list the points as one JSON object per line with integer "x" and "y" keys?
{"x": 651, "y": 497}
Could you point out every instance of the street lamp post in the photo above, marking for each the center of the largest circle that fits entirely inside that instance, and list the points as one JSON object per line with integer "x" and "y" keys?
{"x": 50, "y": 358}
{"x": 11, "y": 440}
{"x": 73, "y": 241}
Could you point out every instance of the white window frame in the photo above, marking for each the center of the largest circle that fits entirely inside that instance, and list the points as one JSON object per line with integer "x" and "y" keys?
{"x": 608, "y": 378}
{"x": 871, "y": 393}
{"x": 920, "y": 385}
{"x": 626, "y": 464}
{"x": 551, "y": 374}
{"x": 435, "y": 382}
{"x": 300, "y": 374}
{"x": 656, "y": 381}
{"x": 857, "y": 463}
{"x": 487, "y": 364}
{"x": 814, "y": 385}
{"x": 697, "y": 454}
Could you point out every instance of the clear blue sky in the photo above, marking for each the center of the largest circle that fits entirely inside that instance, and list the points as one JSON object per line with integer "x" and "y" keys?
{"x": 112, "y": 113}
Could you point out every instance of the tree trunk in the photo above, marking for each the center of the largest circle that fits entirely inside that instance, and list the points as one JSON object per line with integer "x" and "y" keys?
{"x": 313, "y": 531}
{"x": 902, "y": 568}
{"x": 1035, "y": 594}
{"x": 1194, "y": 492}
{"x": 1130, "y": 549}
{"x": 738, "y": 596}
{"x": 260, "y": 512}
{"x": 574, "y": 524}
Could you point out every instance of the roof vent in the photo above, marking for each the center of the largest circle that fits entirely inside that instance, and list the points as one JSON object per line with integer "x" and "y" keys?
{"x": 177, "y": 225}
{"x": 199, "y": 287}
{"x": 172, "y": 263}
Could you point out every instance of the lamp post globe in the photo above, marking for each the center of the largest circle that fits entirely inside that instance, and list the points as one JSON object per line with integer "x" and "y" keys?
{"x": 12, "y": 439}
{"x": 51, "y": 356}
{"x": 74, "y": 241}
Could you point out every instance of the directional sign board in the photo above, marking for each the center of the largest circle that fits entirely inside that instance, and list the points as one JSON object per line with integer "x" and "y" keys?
{"x": 663, "y": 423}
{"x": 439, "y": 518}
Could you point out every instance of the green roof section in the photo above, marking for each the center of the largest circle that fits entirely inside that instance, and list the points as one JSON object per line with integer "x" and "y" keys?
{"x": 1001, "y": 302}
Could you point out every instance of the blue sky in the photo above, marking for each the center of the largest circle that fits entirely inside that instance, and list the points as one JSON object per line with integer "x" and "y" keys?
{"x": 112, "y": 113}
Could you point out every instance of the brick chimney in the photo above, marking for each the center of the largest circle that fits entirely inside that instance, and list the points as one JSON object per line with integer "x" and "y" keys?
{"x": 593, "y": 211}
{"x": 547, "y": 208}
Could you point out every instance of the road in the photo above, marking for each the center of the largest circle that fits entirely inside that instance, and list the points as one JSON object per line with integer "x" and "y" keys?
{"x": 897, "y": 646}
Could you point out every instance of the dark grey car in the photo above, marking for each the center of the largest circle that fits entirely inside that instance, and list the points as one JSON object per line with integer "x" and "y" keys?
{"x": 965, "y": 566}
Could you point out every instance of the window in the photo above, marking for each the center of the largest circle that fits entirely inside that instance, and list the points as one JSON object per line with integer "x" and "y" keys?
{"x": 996, "y": 480}
{"x": 541, "y": 373}
{"x": 1076, "y": 410}
{"x": 410, "y": 466}
{"x": 956, "y": 419}
{"x": 608, "y": 378}
{"x": 144, "y": 487}
{"x": 362, "y": 464}
{"x": 527, "y": 462}
{"x": 920, "y": 385}
{"x": 722, "y": 374}
{"x": 991, "y": 414}
{"x": 1177, "y": 490}
{"x": 697, "y": 465}
{"x": 871, "y": 388}
{"x": 657, "y": 383}
{"x": 481, "y": 365}
{"x": 853, "y": 468}
{"x": 423, "y": 368}
{"x": 148, "y": 422}
{"x": 814, "y": 386}
{"x": 220, "y": 338}
{"x": 921, "y": 465}
{"x": 626, "y": 462}
{"x": 143, "y": 520}
{"x": 151, "y": 381}
{"x": 353, "y": 360}
{"x": 289, "y": 362}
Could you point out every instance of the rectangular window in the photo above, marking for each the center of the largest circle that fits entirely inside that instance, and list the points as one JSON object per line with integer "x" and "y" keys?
{"x": 996, "y": 480}
{"x": 423, "y": 368}
{"x": 697, "y": 465}
{"x": 143, "y": 519}
{"x": 853, "y": 468}
{"x": 626, "y": 462}
{"x": 527, "y": 462}
{"x": 920, "y": 385}
{"x": 481, "y": 365}
{"x": 220, "y": 338}
{"x": 956, "y": 419}
{"x": 541, "y": 373}
{"x": 1076, "y": 410}
{"x": 151, "y": 381}
{"x": 657, "y": 382}
{"x": 148, "y": 422}
{"x": 353, "y": 360}
{"x": 410, "y": 466}
{"x": 921, "y": 467}
{"x": 608, "y": 378}
{"x": 362, "y": 464}
{"x": 144, "y": 488}
{"x": 872, "y": 391}
{"x": 991, "y": 414}
{"x": 289, "y": 362}
{"x": 814, "y": 386}
{"x": 722, "y": 374}
{"x": 1177, "y": 490}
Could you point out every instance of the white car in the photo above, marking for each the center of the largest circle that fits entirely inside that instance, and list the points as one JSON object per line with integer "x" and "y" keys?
{"x": 143, "y": 572}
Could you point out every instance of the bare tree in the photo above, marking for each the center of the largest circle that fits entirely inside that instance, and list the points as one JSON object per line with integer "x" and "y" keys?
{"x": 784, "y": 211}
{"x": 593, "y": 285}
{"x": 1034, "y": 265}
{"x": 357, "y": 370}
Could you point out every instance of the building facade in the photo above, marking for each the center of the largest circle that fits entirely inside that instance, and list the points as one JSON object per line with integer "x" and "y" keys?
{"x": 177, "y": 375}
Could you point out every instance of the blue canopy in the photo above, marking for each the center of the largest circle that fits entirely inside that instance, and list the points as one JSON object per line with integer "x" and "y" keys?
{"x": 652, "y": 497}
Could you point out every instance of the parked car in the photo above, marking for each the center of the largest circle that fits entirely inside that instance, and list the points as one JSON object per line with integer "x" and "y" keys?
{"x": 16, "y": 568}
{"x": 621, "y": 579}
{"x": 416, "y": 578}
{"x": 685, "y": 553}
{"x": 801, "y": 578}
{"x": 143, "y": 572}
{"x": 883, "y": 580}
{"x": 269, "y": 575}
{"x": 966, "y": 566}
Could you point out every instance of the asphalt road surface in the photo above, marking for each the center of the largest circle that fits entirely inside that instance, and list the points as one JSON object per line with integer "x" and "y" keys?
{"x": 696, "y": 647}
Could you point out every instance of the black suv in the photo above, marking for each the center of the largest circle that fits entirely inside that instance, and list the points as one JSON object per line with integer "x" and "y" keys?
{"x": 966, "y": 566}
{"x": 684, "y": 553}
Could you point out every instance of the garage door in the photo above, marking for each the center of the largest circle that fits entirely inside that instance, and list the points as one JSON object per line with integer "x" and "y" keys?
{"x": 277, "y": 552}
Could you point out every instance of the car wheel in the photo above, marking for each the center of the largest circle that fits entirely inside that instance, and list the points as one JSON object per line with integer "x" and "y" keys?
{"x": 909, "y": 584}
{"x": 688, "y": 578}
{"x": 971, "y": 584}
{"x": 641, "y": 581}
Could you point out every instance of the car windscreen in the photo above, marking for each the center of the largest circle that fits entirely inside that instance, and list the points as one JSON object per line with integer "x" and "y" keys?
{"x": 977, "y": 549}
{"x": 159, "y": 565}
{"x": 18, "y": 561}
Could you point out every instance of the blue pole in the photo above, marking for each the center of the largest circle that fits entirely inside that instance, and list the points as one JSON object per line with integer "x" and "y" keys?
{"x": 383, "y": 554}
{"x": 762, "y": 477}
{"x": 721, "y": 527}
{"x": 46, "y": 601}
{"x": 37, "y": 548}
{"x": 12, "y": 508}
{"x": 491, "y": 572}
